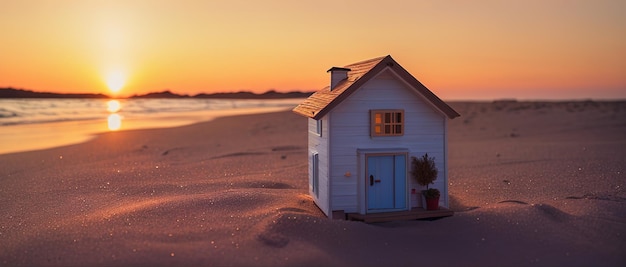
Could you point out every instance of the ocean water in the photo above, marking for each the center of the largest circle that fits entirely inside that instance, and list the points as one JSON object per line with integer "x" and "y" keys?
{"x": 30, "y": 124}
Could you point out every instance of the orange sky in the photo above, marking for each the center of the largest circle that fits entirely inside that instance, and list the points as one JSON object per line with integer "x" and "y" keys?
{"x": 459, "y": 49}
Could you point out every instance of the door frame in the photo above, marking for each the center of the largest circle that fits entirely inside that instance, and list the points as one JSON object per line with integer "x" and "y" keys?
{"x": 363, "y": 155}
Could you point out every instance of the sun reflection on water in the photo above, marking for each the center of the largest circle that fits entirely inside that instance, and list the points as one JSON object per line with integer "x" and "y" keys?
{"x": 114, "y": 120}
{"x": 113, "y": 106}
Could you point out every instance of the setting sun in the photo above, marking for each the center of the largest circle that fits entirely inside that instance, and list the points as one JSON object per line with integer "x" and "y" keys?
{"x": 115, "y": 81}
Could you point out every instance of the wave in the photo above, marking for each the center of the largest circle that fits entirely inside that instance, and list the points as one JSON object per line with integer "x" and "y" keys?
{"x": 39, "y": 111}
{"x": 7, "y": 114}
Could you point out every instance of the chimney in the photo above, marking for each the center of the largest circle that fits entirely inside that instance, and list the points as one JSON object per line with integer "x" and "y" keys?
{"x": 337, "y": 75}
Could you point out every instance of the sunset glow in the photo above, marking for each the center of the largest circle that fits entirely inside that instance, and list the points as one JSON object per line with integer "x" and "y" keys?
{"x": 459, "y": 50}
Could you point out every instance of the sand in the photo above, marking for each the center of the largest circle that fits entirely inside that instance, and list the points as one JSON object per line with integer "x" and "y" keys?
{"x": 532, "y": 184}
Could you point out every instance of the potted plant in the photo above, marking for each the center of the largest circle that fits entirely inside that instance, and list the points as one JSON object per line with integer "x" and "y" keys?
{"x": 425, "y": 172}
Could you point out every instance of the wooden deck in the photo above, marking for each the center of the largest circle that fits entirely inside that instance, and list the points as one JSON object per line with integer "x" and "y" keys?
{"x": 413, "y": 214}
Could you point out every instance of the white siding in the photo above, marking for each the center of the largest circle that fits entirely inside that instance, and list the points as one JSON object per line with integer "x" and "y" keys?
{"x": 319, "y": 144}
{"x": 350, "y": 130}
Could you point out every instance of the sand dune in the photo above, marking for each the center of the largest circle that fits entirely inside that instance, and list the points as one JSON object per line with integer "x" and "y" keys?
{"x": 532, "y": 184}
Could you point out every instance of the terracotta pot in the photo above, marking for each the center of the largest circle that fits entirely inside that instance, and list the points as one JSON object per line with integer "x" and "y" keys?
{"x": 432, "y": 203}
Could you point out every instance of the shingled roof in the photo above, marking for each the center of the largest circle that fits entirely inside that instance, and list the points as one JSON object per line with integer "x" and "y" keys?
{"x": 324, "y": 100}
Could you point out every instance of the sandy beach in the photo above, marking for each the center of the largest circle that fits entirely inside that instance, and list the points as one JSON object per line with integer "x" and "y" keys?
{"x": 531, "y": 184}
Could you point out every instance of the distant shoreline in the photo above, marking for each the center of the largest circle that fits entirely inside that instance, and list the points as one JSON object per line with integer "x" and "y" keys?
{"x": 22, "y": 93}
{"x": 13, "y": 93}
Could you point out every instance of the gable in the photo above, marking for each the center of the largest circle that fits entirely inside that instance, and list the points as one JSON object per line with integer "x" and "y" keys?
{"x": 324, "y": 100}
{"x": 384, "y": 93}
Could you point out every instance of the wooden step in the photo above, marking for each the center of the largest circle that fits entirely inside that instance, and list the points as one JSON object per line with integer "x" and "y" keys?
{"x": 413, "y": 214}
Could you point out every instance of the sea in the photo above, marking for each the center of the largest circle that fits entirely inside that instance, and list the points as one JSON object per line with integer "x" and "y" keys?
{"x": 33, "y": 124}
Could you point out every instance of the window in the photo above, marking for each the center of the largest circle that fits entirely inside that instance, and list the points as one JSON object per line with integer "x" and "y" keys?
{"x": 387, "y": 122}
{"x": 315, "y": 175}
{"x": 318, "y": 129}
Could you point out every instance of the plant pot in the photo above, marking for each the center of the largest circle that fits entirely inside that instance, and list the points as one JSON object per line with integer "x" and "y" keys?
{"x": 432, "y": 203}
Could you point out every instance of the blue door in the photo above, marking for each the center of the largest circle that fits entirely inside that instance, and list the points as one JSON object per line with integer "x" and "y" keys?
{"x": 386, "y": 182}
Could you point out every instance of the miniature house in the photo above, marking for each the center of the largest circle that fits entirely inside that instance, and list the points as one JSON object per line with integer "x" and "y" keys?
{"x": 362, "y": 131}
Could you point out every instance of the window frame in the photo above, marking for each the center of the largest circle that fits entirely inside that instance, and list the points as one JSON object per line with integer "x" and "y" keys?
{"x": 394, "y": 122}
{"x": 315, "y": 169}
{"x": 318, "y": 127}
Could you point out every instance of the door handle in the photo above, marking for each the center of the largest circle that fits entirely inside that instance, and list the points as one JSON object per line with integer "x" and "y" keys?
{"x": 371, "y": 180}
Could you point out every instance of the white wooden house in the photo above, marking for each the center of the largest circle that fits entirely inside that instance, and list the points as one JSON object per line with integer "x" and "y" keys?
{"x": 362, "y": 131}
